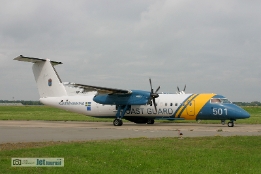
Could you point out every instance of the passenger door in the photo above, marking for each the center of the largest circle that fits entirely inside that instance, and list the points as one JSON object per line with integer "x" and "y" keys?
{"x": 191, "y": 108}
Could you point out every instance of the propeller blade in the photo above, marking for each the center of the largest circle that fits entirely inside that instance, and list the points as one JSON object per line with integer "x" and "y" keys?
{"x": 184, "y": 88}
{"x": 157, "y": 89}
{"x": 150, "y": 85}
{"x": 178, "y": 89}
{"x": 153, "y": 95}
{"x": 154, "y": 103}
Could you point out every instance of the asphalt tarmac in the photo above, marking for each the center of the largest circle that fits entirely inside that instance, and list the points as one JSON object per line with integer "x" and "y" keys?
{"x": 41, "y": 131}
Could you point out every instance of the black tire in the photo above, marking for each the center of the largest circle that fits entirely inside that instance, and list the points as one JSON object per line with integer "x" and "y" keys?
{"x": 117, "y": 122}
{"x": 230, "y": 124}
{"x": 150, "y": 121}
{"x": 121, "y": 122}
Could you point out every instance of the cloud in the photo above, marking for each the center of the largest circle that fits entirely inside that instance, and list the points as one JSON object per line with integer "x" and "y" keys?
{"x": 210, "y": 46}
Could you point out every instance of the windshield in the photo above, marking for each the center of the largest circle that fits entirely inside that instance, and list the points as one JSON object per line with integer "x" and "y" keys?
{"x": 215, "y": 100}
{"x": 219, "y": 100}
{"x": 225, "y": 100}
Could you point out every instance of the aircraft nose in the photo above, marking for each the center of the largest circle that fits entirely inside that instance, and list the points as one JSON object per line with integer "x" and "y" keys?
{"x": 240, "y": 113}
{"x": 243, "y": 114}
{"x": 236, "y": 112}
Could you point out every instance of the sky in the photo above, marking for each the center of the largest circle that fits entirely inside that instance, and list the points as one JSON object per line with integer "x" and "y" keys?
{"x": 211, "y": 46}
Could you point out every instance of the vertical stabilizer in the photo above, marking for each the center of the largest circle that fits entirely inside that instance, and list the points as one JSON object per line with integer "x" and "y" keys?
{"x": 48, "y": 81}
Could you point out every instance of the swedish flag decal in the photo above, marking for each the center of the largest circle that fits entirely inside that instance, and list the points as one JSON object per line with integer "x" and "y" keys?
{"x": 89, "y": 106}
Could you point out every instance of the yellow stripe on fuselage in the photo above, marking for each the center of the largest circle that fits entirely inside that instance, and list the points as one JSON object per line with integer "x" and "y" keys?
{"x": 199, "y": 101}
{"x": 184, "y": 104}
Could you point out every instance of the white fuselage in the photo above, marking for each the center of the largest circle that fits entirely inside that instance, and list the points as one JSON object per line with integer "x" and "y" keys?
{"x": 167, "y": 104}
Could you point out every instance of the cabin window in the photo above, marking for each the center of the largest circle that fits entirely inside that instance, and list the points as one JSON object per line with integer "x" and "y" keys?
{"x": 166, "y": 104}
{"x": 170, "y": 104}
{"x": 176, "y": 104}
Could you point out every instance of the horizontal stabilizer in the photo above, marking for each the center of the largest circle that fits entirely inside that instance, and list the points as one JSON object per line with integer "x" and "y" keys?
{"x": 34, "y": 60}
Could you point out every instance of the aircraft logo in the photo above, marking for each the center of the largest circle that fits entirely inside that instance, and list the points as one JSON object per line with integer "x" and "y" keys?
{"x": 50, "y": 82}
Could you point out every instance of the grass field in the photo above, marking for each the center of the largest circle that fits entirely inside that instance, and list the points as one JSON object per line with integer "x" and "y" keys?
{"x": 237, "y": 154}
{"x": 42, "y": 113}
{"x": 53, "y": 114}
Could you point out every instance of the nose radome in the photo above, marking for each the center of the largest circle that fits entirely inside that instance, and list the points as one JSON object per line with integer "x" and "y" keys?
{"x": 244, "y": 114}
{"x": 236, "y": 112}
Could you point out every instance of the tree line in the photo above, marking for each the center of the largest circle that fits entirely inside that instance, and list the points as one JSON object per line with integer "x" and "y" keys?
{"x": 253, "y": 103}
{"x": 24, "y": 102}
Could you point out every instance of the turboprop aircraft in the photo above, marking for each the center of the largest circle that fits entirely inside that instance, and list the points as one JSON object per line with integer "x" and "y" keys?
{"x": 137, "y": 106}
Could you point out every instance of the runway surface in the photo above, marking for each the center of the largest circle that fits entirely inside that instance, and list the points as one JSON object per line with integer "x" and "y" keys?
{"x": 40, "y": 131}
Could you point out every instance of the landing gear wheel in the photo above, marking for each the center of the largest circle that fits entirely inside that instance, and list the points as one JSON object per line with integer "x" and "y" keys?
{"x": 230, "y": 124}
{"x": 150, "y": 121}
{"x": 117, "y": 122}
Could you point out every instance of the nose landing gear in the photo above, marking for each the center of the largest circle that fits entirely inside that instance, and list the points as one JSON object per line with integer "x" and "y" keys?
{"x": 231, "y": 123}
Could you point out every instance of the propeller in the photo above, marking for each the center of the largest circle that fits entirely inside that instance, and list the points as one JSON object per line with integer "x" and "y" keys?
{"x": 181, "y": 92}
{"x": 153, "y": 95}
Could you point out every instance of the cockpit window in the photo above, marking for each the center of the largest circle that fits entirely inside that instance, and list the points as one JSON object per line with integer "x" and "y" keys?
{"x": 219, "y": 100}
{"x": 215, "y": 100}
{"x": 225, "y": 100}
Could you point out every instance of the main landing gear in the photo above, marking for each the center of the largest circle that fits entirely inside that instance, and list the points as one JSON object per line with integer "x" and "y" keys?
{"x": 150, "y": 121}
{"x": 117, "y": 122}
{"x": 121, "y": 110}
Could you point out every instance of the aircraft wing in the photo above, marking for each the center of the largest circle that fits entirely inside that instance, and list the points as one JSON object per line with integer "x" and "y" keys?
{"x": 101, "y": 90}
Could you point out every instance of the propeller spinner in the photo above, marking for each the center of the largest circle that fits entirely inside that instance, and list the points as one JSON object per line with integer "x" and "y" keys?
{"x": 153, "y": 95}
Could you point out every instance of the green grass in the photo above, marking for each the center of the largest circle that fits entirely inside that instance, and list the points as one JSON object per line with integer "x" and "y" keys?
{"x": 255, "y": 114}
{"x": 42, "y": 113}
{"x": 54, "y": 114}
{"x": 239, "y": 154}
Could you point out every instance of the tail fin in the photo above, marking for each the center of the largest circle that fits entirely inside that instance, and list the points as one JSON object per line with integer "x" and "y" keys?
{"x": 48, "y": 82}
